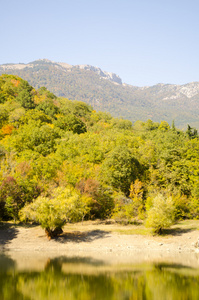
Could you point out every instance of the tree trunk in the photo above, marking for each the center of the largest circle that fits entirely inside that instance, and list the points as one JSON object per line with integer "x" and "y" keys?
{"x": 53, "y": 233}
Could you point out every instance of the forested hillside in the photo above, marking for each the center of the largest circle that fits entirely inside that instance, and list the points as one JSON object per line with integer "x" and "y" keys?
{"x": 56, "y": 153}
{"x": 105, "y": 92}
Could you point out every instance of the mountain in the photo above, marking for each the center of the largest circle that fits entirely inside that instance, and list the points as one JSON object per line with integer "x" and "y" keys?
{"x": 106, "y": 92}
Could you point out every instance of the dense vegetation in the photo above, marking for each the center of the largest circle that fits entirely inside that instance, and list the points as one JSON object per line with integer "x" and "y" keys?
{"x": 62, "y": 161}
{"x": 157, "y": 102}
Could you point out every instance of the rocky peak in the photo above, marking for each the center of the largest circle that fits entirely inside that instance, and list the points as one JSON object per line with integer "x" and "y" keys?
{"x": 105, "y": 75}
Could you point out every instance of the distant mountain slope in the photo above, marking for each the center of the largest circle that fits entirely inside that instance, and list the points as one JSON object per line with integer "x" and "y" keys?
{"x": 105, "y": 91}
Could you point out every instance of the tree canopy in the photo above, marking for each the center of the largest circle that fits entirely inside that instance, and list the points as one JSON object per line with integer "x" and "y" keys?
{"x": 49, "y": 143}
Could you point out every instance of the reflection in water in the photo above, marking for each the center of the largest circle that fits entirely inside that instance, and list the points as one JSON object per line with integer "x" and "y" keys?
{"x": 84, "y": 278}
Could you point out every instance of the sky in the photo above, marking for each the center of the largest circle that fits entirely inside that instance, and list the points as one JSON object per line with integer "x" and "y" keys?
{"x": 145, "y": 42}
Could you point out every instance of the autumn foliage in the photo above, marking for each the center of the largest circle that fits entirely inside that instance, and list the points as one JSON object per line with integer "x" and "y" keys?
{"x": 7, "y": 129}
{"x": 64, "y": 157}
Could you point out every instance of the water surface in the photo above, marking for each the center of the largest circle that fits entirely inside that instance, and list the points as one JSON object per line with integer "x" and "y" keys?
{"x": 75, "y": 278}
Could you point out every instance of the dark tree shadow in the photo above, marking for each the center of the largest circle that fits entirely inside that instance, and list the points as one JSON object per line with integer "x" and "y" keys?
{"x": 78, "y": 236}
{"x": 7, "y": 233}
{"x": 177, "y": 231}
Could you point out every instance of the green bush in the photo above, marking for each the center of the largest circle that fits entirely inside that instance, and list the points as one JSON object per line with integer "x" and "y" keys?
{"x": 161, "y": 214}
{"x": 65, "y": 204}
{"x": 182, "y": 207}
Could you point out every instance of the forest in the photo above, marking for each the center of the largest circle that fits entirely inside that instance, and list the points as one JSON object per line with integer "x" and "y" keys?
{"x": 61, "y": 161}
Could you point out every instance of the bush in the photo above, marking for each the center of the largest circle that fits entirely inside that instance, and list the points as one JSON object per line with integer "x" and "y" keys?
{"x": 102, "y": 199}
{"x": 161, "y": 214}
{"x": 124, "y": 213}
{"x": 66, "y": 204}
{"x": 194, "y": 208}
{"x": 182, "y": 207}
{"x": 11, "y": 198}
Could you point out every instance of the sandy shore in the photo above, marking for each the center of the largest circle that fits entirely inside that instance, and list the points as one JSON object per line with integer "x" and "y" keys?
{"x": 101, "y": 243}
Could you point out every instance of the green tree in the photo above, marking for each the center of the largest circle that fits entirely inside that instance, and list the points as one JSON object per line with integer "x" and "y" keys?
{"x": 16, "y": 115}
{"x": 25, "y": 95}
{"x": 161, "y": 214}
{"x": 43, "y": 91}
{"x": 78, "y": 108}
{"x": 64, "y": 204}
{"x": 150, "y": 125}
{"x": 191, "y": 132}
{"x": 8, "y": 90}
{"x": 36, "y": 116}
{"x": 71, "y": 123}
{"x": 36, "y": 137}
{"x": 48, "y": 107}
{"x": 120, "y": 168}
{"x": 173, "y": 127}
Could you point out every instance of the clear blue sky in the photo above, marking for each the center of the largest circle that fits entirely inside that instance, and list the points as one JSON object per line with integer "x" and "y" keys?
{"x": 144, "y": 41}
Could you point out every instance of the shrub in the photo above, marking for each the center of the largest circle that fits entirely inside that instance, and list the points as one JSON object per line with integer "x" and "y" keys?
{"x": 66, "y": 204}
{"x": 161, "y": 214}
{"x": 102, "y": 200}
{"x": 182, "y": 207}
{"x": 11, "y": 198}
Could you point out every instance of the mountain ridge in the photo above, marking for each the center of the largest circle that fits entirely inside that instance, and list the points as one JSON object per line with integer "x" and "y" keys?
{"x": 105, "y": 75}
{"x": 105, "y": 91}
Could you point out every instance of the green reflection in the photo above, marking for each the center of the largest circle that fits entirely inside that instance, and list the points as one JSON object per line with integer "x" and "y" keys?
{"x": 80, "y": 279}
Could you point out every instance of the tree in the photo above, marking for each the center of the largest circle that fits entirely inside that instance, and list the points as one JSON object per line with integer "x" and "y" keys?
{"x": 25, "y": 99}
{"x": 150, "y": 125}
{"x": 36, "y": 137}
{"x": 120, "y": 168}
{"x": 35, "y": 115}
{"x": 16, "y": 115}
{"x": 102, "y": 199}
{"x": 122, "y": 124}
{"x": 25, "y": 96}
{"x": 44, "y": 92}
{"x": 191, "y": 132}
{"x": 77, "y": 108}
{"x": 7, "y": 89}
{"x": 164, "y": 126}
{"x": 71, "y": 123}
{"x": 173, "y": 127}
{"x": 52, "y": 212}
{"x": 7, "y": 129}
{"x": 48, "y": 107}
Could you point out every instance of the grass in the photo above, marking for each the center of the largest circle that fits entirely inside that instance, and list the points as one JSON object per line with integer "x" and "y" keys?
{"x": 188, "y": 224}
{"x": 117, "y": 228}
{"x": 176, "y": 229}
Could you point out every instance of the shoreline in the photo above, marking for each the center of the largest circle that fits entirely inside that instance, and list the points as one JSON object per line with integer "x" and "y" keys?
{"x": 98, "y": 242}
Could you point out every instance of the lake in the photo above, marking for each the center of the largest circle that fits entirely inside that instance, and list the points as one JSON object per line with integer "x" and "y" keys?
{"x": 86, "y": 278}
